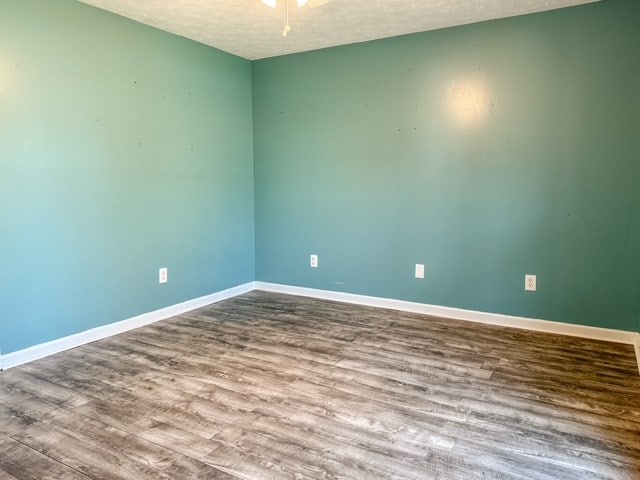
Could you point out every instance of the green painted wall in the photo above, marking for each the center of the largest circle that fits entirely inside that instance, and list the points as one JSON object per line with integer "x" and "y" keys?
{"x": 485, "y": 152}
{"x": 122, "y": 149}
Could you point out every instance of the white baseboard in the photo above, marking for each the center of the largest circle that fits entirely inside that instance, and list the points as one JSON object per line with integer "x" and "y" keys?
{"x": 55, "y": 346}
{"x": 597, "y": 333}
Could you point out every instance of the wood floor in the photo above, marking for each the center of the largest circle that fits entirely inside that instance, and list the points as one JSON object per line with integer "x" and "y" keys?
{"x": 268, "y": 386}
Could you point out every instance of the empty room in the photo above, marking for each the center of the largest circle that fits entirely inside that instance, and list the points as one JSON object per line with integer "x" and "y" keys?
{"x": 320, "y": 239}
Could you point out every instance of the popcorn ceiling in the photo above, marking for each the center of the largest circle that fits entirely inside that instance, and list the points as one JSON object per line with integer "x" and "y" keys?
{"x": 250, "y": 29}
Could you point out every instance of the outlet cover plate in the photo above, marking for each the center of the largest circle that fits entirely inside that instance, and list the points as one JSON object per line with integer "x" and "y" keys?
{"x": 163, "y": 275}
{"x": 530, "y": 283}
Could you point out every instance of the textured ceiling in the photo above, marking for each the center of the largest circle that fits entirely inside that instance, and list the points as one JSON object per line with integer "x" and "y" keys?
{"x": 252, "y": 30}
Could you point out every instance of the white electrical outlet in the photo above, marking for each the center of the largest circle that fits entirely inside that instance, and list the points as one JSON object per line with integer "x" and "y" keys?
{"x": 313, "y": 261}
{"x": 163, "y": 275}
{"x": 530, "y": 283}
{"x": 419, "y": 270}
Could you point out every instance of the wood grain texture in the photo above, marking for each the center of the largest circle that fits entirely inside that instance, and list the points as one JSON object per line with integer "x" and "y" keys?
{"x": 20, "y": 461}
{"x": 269, "y": 386}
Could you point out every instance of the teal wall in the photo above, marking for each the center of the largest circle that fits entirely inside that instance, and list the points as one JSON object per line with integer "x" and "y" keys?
{"x": 485, "y": 152}
{"x": 122, "y": 149}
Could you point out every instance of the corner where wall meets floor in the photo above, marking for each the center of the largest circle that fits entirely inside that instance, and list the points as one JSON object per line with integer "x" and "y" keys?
{"x": 50, "y": 348}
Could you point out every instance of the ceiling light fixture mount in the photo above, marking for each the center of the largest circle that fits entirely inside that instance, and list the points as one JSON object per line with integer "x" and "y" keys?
{"x": 272, "y": 3}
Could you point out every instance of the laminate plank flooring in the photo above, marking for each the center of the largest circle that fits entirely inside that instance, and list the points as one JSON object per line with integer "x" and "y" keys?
{"x": 268, "y": 387}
